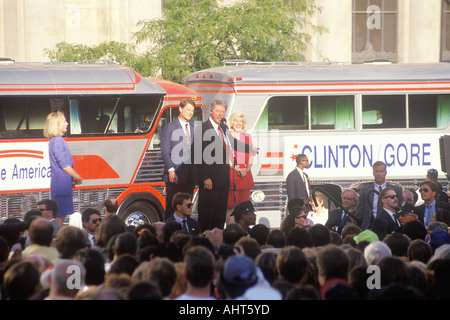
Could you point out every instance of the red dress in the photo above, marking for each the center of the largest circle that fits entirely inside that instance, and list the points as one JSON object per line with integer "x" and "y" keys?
{"x": 243, "y": 185}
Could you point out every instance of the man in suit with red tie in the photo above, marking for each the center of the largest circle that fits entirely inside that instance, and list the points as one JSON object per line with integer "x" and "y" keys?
{"x": 210, "y": 154}
{"x": 386, "y": 220}
{"x": 176, "y": 140}
{"x": 297, "y": 181}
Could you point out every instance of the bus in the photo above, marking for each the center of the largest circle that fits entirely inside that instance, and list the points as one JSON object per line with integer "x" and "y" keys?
{"x": 115, "y": 120}
{"x": 344, "y": 117}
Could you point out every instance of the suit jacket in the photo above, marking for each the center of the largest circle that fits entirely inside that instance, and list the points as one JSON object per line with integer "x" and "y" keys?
{"x": 334, "y": 221}
{"x": 211, "y": 157}
{"x": 193, "y": 226}
{"x": 365, "y": 203}
{"x": 421, "y": 209}
{"x": 383, "y": 225}
{"x": 296, "y": 187}
{"x": 176, "y": 152}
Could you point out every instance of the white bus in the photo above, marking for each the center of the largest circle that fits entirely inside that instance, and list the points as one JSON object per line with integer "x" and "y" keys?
{"x": 343, "y": 117}
{"x": 115, "y": 118}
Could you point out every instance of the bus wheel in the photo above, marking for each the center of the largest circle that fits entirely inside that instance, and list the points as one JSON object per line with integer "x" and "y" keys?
{"x": 139, "y": 213}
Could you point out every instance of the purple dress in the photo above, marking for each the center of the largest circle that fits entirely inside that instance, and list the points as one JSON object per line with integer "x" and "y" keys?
{"x": 61, "y": 189}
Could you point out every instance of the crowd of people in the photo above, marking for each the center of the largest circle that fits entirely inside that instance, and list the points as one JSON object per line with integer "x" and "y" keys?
{"x": 382, "y": 242}
{"x": 243, "y": 261}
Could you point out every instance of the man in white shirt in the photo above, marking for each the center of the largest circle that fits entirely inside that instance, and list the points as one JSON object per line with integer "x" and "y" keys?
{"x": 297, "y": 182}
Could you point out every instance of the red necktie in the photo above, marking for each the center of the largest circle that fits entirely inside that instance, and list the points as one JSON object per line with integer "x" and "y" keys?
{"x": 186, "y": 131}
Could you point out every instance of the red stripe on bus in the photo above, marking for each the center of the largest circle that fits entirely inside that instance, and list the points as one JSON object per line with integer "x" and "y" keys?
{"x": 272, "y": 167}
{"x": 93, "y": 167}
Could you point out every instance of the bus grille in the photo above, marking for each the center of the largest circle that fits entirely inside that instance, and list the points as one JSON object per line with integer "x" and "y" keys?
{"x": 151, "y": 168}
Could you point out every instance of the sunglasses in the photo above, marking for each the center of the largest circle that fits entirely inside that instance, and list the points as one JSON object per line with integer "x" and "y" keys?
{"x": 304, "y": 217}
{"x": 393, "y": 196}
{"x": 424, "y": 190}
{"x": 97, "y": 220}
{"x": 43, "y": 210}
{"x": 189, "y": 205}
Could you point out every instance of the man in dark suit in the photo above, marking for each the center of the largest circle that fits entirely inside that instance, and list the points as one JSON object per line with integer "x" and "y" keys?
{"x": 182, "y": 204}
{"x": 429, "y": 191}
{"x": 176, "y": 140}
{"x": 386, "y": 220}
{"x": 367, "y": 208}
{"x": 339, "y": 218}
{"x": 297, "y": 181}
{"x": 211, "y": 159}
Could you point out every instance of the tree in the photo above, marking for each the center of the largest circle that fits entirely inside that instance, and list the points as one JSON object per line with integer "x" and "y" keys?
{"x": 199, "y": 34}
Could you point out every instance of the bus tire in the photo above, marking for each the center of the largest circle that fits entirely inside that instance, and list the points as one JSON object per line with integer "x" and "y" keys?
{"x": 138, "y": 213}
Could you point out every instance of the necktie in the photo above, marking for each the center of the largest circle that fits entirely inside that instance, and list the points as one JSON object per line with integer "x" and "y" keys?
{"x": 184, "y": 224}
{"x": 396, "y": 220}
{"x": 428, "y": 214}
{"x": 186, "y": 131}
{"x": 219, "y": 130}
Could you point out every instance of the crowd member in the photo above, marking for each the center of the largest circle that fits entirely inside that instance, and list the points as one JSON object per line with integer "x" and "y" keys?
{"x": 244, "y": 215}
{"x": 200, "y": 274}
{"x": 318, "y": 214}
{"x": 49, "y": 211}
{"x": 63, "y": 176}
{"x": 110, "y": 206}
{"x": 429, "y": 190}
{"x": 386, "y": 220}
{"x": 339, "y": 218}
{"x": 368, "y": 205}
{"x": 41, "y": 236}
{"x": 69, "y": 240}
{"x": 241, "y": 178}
{"x": 90, "y": 218}
{"x": 182, "y": 205}
{"x": 176, "y": 140}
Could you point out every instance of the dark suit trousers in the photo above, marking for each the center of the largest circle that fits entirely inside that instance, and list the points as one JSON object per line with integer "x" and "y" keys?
{"x": 171, "y": 190}
{"x": 212, "y": 208}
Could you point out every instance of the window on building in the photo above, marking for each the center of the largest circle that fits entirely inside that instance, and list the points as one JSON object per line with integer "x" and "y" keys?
{"x": 445, "y": 31}
{"x": 374, "y": 34}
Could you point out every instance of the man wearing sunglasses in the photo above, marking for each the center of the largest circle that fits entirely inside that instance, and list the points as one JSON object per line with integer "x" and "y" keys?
{"x": 386, "y": 220}
{"x": 428, "y": 191}
{"x": 90, "y": 219}
{"x": 182, "y": 203}
{"x": 367, "y": 208}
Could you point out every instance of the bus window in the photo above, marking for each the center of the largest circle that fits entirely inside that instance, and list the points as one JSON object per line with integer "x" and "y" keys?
{"x": 332, "y": 112}
{"x": 429, "y": 111}
{"x": 383, "y": 111}
{"x": 23, "y": 117}
{"x": 135, "y": 114}
{"x": 285, "y": 113}
{"x": 90, "y": 115}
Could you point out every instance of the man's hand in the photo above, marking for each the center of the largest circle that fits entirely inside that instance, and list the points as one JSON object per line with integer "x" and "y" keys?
{"x": 208, "y": 184}
{"x": 173, "y": 178}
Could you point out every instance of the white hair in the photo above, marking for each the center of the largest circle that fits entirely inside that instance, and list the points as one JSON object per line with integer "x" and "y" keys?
{"x": 375, "y": 251}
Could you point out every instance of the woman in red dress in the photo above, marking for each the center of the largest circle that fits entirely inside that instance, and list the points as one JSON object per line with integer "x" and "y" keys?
{"x": 241, "y": 173}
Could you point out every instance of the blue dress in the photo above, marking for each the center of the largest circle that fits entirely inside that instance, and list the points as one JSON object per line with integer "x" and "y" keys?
{"x": 61, "y": 189}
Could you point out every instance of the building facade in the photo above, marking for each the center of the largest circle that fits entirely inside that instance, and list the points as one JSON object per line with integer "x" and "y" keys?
{"x": 402, "y": 31}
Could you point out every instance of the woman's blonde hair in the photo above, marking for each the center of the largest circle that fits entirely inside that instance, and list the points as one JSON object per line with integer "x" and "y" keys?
{"x": 52, "y": 122}
{"x": 235, "y": 116}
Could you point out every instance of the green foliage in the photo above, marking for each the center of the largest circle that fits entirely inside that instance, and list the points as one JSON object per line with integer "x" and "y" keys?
{"x": 199, "y": 34}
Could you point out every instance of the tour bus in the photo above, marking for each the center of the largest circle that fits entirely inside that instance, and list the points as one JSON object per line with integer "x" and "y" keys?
{"x": 115, "y": 120}
{"x": 343, "y": 117}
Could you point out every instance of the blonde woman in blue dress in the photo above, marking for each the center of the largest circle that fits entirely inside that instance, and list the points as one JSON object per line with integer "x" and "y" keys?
{"x": 63, "y": 176}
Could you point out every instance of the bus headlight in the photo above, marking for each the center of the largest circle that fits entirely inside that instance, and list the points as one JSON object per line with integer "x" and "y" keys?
{"x": 258, "y": 196}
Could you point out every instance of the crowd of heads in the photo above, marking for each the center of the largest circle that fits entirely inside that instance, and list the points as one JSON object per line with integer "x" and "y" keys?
{"x": 162, "y": 261}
